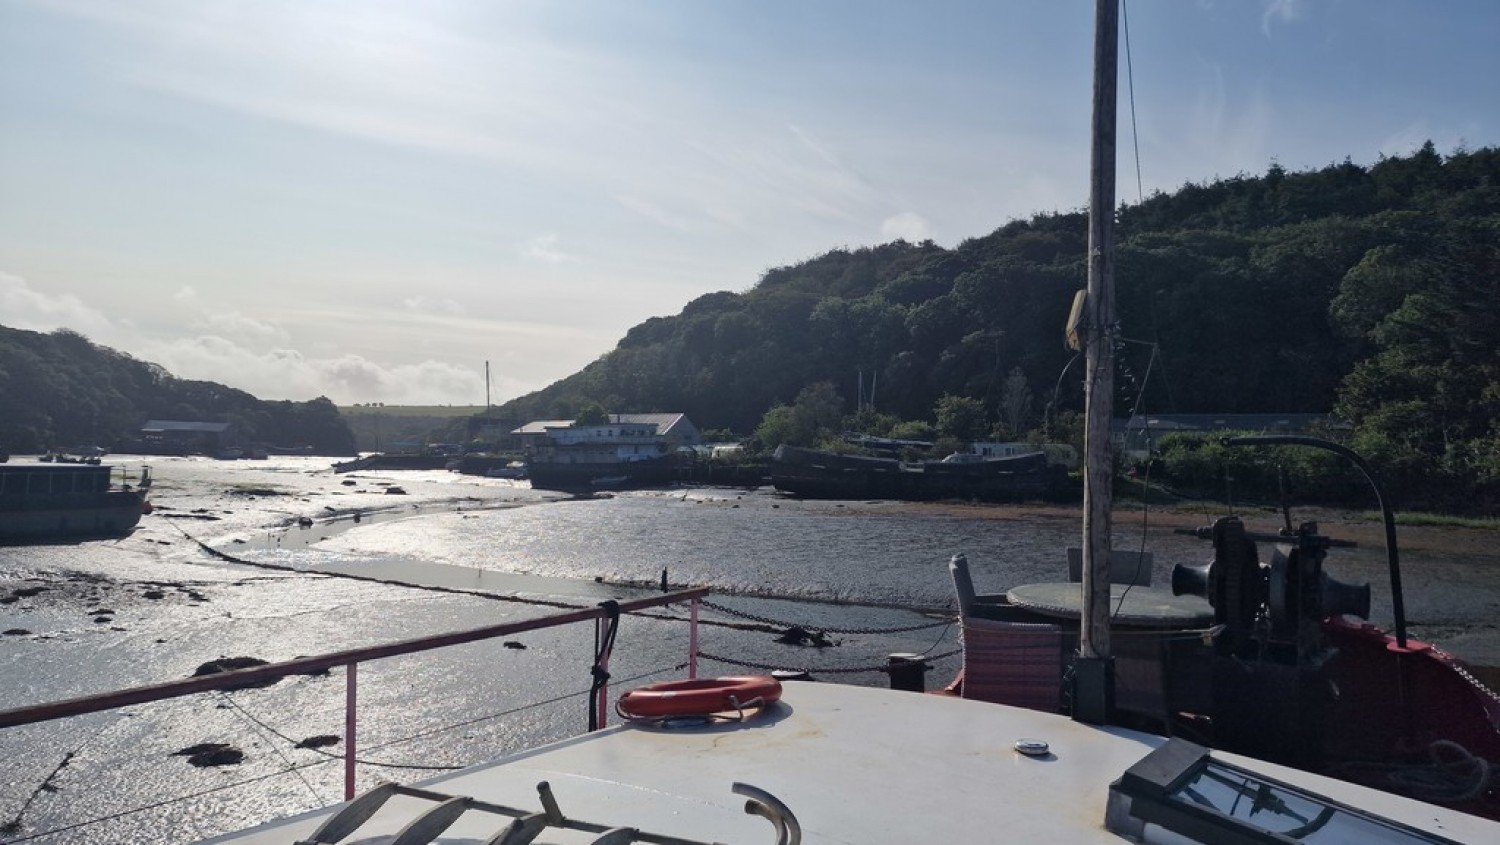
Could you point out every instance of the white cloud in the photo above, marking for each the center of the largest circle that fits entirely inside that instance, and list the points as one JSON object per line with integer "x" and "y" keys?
{"x": 908, "y": 225}
{"x": 432, "y": 305}
{"x": 395, "y": 74}
{"x": 816, "y": 146}
{"x": 25, "y": 308}
{"x": 247, "y": 353}
{"x": 1279, "y": 12}
{"x": 545, "y": 248}
{"x": 283, "y": 373}
{"x": 235, "y": 324}
{"x": 655, "y": 213}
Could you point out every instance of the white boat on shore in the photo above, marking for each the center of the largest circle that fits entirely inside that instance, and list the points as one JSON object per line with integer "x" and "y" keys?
{"x": 514, "y": 470}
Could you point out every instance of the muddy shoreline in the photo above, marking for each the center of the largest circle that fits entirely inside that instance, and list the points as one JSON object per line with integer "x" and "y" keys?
{"x": 1358, "y": 526}
{"x": 73, "y": 591}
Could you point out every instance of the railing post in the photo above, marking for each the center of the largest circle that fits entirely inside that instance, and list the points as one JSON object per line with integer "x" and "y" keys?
{"x": 350, "y": 700}
{"x": 693, "y": 641}
{"x": 603, "y": 702}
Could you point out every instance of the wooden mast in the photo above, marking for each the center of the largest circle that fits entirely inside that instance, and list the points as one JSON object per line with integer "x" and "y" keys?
{"x": 1094, "y": 688}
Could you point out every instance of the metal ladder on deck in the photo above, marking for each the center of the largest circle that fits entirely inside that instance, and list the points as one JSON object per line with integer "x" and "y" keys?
{"x": 525, "y": 825}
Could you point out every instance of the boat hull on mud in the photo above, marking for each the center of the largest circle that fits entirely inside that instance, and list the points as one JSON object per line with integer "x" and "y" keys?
{"x": 41, "y": 502}
{"x": 818, "y": 474}
{"x": 594, "y": 476}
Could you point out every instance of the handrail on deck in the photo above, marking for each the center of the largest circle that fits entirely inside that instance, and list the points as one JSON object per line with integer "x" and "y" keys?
{"x": 308, "y": 665}
{"x": 351, "y": 659}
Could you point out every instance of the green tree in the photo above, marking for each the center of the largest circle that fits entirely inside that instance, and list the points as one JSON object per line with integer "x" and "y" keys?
{"x": 959, "y": 417}
{"x": 914, "y": 430}
{"x": 1426, "y": 402}
{"x": 1015, "y": 402}
{"x": 816, "y": 415}
{"x": 870, "y": 421}
{"x": 591, "y": 414}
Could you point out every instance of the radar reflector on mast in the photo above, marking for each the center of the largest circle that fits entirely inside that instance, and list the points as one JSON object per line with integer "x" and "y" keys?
{"x": 1077, "y": 321}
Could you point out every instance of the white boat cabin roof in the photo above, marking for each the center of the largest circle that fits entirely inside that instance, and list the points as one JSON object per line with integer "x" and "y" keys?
{"x": 855, "y": 765}
{"x": 674, "y": 425}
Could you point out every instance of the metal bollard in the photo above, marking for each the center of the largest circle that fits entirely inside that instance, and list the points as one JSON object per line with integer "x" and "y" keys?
{"x": 908, "y": 671}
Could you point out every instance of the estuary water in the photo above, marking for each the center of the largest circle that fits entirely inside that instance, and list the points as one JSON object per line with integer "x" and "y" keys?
{"x": 870, "y": 578}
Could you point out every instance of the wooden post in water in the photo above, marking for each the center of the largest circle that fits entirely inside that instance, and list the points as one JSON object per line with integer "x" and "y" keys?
{"x": 1094, "y": 671}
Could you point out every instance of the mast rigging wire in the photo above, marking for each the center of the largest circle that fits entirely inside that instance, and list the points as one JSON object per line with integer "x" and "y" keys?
{"x": 1135, "y": 134}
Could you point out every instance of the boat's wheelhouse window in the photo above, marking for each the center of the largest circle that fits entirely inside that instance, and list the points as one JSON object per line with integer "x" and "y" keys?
{"x": 1179, "y": 787}
{"x": 41, "y": 482}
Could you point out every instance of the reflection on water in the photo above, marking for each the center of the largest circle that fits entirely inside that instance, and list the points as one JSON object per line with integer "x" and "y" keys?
{"x": 751, "y": 543}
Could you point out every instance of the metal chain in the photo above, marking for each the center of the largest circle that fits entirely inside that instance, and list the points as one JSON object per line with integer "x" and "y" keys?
{"x": 833, "y": 670}
{"x": 1480, "y": 687}
{"x": 766, "y": 620}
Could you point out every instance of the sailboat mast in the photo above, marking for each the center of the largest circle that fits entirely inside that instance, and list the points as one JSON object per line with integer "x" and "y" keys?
{"x": 1093, "y": 641}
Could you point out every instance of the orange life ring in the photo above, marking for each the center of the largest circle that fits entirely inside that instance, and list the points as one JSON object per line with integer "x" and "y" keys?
{"x": 699, "y": 697}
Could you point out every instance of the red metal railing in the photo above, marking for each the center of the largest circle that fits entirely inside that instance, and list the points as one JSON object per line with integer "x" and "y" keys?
{"x": 349, "y": 659}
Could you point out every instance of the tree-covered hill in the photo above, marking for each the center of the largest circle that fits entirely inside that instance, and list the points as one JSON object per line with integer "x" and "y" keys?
{"x": 58, "y": 390}
{"x": 1368, "y": 292}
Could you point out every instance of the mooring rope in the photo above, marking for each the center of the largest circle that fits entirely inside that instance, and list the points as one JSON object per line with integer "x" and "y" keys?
{"x": 825, "y": 670}
{"x": 1453, "y": 774}
{"x": 14, "y": 825}
{"x": 783, "y": 624}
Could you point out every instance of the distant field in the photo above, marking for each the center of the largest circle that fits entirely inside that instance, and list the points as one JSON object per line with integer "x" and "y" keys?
{"x": 410, "y": 410}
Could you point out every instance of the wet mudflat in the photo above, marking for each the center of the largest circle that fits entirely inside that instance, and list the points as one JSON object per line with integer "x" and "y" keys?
{"x": 82, "y": 618}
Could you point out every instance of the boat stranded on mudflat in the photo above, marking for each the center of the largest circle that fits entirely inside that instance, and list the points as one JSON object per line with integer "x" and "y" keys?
{"x": 573, "y": 457}
{"x": 51, "y": 501}
{"x": 820, "y": 474}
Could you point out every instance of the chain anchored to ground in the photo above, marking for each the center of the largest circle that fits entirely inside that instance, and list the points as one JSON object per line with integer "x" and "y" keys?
{"x": 759, "y": 624}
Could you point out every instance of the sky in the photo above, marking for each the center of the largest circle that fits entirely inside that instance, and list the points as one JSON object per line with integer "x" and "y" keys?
{"x": 370, "y": 200}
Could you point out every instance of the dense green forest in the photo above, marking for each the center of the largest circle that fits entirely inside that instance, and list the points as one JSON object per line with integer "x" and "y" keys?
{"x": 1370, "y": 293}
{"x": 60, "y": 391}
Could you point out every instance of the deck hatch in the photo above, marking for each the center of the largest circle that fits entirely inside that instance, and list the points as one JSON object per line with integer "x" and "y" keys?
{"x": 1182, "y": 788}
